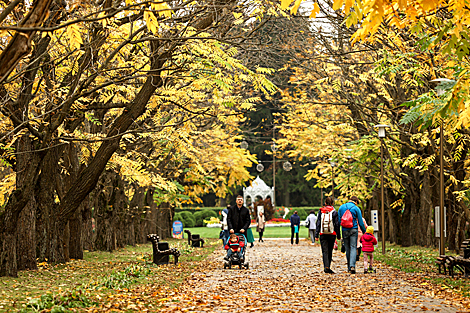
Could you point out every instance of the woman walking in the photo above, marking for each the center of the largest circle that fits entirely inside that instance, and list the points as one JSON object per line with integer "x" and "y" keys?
{"x": 260, "y": 227}
{"x": 328, "y": 230}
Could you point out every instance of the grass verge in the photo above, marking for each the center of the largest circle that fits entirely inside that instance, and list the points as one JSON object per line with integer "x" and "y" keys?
{"x": 421, "y": 260}
{"x": 125, "y": 280}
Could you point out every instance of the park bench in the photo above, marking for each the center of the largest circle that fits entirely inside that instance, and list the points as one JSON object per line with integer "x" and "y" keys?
{"x": 461, "y": 262}
{"x": 162, "y": 251}
{"x": 194, "y": 240}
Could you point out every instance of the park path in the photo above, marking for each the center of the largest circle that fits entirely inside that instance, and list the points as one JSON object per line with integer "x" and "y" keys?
{"x": 285, "y": 278}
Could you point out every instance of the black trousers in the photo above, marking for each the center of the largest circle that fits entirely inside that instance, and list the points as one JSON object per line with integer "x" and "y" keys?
{"x": 260, "y": 234}
{"x": 292, "y": 229}
{"x": 327, "y": 243}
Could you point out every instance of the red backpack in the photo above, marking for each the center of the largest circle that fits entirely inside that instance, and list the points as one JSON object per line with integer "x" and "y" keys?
{"x": 347, "y": 219}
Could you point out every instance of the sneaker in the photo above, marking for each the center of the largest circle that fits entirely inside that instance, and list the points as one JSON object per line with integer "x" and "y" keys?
{"x": 371, "y": 270}
{"x": 353, "y": 270}
{"x": 366, "y": 271}
{"x": 252, "y": 245}
{"x": 328, "y": 270}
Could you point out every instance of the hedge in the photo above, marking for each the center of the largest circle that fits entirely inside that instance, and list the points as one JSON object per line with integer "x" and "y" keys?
{"x": 202, "y": 215}
{"x": 186, "y": 218}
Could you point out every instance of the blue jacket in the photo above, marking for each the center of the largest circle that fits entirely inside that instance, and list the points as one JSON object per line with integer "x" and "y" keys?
{"x": 356, "y": 213}
{"x": 294, "y": 220}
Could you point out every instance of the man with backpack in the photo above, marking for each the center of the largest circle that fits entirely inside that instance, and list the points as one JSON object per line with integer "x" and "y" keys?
{"x": 328, "y": 229}
{"x": 350, "y": 215}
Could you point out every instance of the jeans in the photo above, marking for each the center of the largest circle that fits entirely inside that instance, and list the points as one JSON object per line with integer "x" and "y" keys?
{"x": 230, "y": 252}
{"x": 327, "y": 243}
{"x": 312, "y": 235}
{"x": 350, "y": 244}
{"x": 292, "y": 236}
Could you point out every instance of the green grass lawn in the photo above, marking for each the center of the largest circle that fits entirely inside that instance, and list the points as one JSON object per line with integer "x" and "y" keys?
{"x": 269, "y": 232}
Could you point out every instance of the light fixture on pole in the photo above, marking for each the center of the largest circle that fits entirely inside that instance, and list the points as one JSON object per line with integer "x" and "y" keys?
{"x": 244, "y": 145}
{"x": 440, "y": 90}
{"x": 348, "y": 157}
{"x": 381, "y": 132}
{"x": 274, "y": 149}
{"x": 260, "y": 167}
{"x": 333, "y": 164}
{"x": 287, "y": 166}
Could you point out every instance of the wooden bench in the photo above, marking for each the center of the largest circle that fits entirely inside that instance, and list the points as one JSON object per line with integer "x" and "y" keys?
{"x": 194, "y": 240}
{"x": 162, "y": 251}
{"x": 460, "y": 263}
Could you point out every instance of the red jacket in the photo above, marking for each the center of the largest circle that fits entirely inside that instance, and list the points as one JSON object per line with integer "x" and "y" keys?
{"x": 368, "y": 242}
{"x": 234, "y": 245}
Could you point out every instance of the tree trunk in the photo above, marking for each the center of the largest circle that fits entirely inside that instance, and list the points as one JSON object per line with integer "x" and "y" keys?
{"x": 26, "y": 227}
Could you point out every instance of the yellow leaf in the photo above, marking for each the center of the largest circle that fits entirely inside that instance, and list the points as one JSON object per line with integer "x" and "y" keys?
{"x": 337, "y": 4}
{"x": 348, "y": 5}
{"x": 316, "y": 9}
{"x": 285, "y": 4}
{"x": 295, "y": 7}
{"x": 237, "y": 15}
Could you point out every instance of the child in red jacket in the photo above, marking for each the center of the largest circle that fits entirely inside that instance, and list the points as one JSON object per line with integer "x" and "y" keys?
{"x": 368, "y": 241}
{"x": 234, "y": 245}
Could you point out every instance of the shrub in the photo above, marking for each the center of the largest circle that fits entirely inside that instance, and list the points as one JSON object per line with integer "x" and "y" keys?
{"x": 187, "y": 219}
{"x": 203, "y": 215}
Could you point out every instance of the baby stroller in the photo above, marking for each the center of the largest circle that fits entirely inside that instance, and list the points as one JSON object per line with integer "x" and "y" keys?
{"x": 234, "y": 259}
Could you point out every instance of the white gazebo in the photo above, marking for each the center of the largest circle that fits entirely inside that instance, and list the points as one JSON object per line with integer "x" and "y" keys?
{"x": 258, "y": 188}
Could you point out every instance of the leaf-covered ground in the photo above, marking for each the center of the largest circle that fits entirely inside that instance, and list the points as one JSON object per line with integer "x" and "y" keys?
{"x": 285, "y": 278}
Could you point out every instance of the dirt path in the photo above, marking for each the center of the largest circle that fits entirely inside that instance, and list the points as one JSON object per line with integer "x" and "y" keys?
{"x": 285, "y": 278}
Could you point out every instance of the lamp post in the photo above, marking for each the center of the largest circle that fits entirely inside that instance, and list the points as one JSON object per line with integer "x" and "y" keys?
{"x": 333, "y": 164}
{"x": 274, "y": 148}
{"x": 381, "y": 132}
{"x": 440, "y": 90}
{"x": 348, "y": 157}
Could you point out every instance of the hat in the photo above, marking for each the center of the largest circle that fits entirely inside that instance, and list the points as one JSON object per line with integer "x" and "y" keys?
{"x": 225, "y": 211}
{"x": 370, "y": 229}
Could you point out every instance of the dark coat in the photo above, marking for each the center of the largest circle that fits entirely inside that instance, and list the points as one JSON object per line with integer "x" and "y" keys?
{"x": 238, "y": 219}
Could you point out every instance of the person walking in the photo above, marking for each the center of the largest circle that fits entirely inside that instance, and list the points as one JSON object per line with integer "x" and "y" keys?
{"x": 350, "y": 216}
{"x": 312, "y": 225}
{"x": 225, "y": 225}
{"x": 295, "y": 228}
{"x": 368, "y": 241}
{"x": 359, "y": 243}
{"x": 238, "y": 217}
{"x": 260, "y": 226}
{"x": 328, "y": 229}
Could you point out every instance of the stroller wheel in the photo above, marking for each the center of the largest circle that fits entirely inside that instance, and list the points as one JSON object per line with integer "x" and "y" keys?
{"x": 247, "y": 265}
{"x": 225, "y": 265}
{"x": 240, "y": 266}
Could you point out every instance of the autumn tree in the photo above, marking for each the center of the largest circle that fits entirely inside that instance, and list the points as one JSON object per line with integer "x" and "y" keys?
{"x": 100, "y": 72}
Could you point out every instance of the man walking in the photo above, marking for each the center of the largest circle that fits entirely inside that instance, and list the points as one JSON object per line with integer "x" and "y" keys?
{"x": 238, "y": 218}
{"x": 294, "y": 226}
{"x": 350, "y": 233}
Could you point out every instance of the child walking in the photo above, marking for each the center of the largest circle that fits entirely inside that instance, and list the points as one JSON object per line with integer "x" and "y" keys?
{"x": 368, "y": 241}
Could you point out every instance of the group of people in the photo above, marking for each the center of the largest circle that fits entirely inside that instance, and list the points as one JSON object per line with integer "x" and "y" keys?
{"x": 357, "y": 236}
{"x": 354, "y": 232}
{"x": 328, "y": 226}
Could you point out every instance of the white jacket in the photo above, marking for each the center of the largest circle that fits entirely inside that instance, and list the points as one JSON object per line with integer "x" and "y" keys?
{"x": 313, "y": 221}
